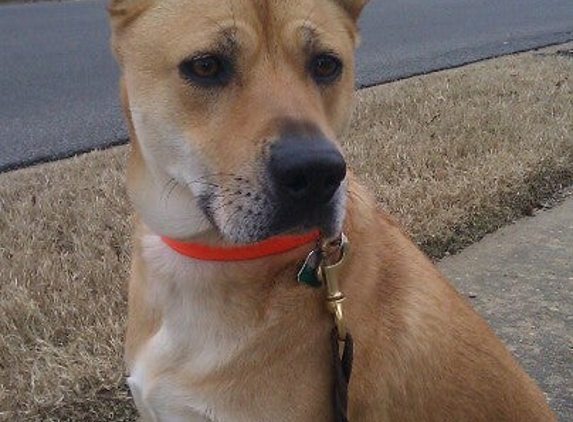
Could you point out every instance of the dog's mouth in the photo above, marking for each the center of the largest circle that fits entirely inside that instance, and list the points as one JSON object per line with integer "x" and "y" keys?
{"x": 245, "y": 215}
{"x": 304, "y": 215}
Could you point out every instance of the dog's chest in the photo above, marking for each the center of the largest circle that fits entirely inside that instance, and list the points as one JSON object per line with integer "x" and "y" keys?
{"x": 168, "y": 385}
{"x": 200, "y": 334}
{"x": 217, "y": 356}
{"x": 162, "y": 399}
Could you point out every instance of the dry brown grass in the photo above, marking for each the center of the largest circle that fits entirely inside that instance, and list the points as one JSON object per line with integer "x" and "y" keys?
{"x": 63, "y": 256}
{"x": 453, "y": 155}
{"x": 456, "y": 154}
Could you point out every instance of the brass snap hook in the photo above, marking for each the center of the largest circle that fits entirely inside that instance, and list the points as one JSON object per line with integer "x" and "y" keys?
{"x": 329, "y": 274}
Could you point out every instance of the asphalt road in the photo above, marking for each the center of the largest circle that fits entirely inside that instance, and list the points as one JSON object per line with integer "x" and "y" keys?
{"x": 58, "y": 80}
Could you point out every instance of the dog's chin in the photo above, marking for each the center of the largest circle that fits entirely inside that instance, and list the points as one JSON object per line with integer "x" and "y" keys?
{"x": 282, "y": 219}
{"x": 264, "y": 232}
{"x": 290, "y": 221}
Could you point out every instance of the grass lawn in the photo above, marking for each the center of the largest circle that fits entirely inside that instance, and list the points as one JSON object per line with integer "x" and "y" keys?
{"x": 452, "y": 155}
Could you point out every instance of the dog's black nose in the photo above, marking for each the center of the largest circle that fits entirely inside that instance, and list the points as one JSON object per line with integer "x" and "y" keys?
{"x": 307, "y": 168}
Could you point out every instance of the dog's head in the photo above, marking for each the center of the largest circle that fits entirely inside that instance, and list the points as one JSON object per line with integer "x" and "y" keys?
{"x": 235, "y": 107}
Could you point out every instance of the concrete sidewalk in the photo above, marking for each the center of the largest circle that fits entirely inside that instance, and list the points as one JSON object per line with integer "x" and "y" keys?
{"x": 521, "y": 280}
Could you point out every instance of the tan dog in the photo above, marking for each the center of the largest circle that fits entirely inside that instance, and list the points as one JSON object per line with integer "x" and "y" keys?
{"x": 234, "y": 109}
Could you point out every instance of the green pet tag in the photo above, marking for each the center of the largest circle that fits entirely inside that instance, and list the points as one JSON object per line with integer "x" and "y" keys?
{"x": 308, "y": 274}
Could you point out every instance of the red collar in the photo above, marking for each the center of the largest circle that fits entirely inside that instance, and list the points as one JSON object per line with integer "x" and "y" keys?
{"x": 273, "y": 246}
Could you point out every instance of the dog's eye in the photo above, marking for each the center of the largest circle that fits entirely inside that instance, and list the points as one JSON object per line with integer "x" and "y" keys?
{"x": 325, "y": 68}
{"x": 206, "y": 70}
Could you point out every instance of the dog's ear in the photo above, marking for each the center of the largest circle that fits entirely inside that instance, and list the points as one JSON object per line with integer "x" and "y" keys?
{"x": 122, "y": 12}
{"x": 353, "y": 7}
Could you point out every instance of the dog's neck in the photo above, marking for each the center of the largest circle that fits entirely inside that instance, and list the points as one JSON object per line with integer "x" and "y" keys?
{"x": 223, "y": 301}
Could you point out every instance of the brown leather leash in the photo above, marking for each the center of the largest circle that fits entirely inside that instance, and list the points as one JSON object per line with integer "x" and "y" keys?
{"x": 322, "y": 269}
